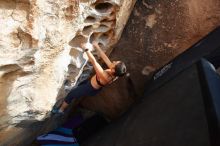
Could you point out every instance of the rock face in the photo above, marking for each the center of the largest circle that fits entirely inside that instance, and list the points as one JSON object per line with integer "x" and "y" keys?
{"x": 40, "y": 54}
{"x": 156, "y": 32}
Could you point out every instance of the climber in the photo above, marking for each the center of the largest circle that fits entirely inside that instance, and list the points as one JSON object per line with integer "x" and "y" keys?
{"x": 93, "y": 85}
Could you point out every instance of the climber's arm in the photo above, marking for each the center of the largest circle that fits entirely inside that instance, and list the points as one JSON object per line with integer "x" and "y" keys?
{"x": 103, "y": 55}
{"x": 98, "y": 69}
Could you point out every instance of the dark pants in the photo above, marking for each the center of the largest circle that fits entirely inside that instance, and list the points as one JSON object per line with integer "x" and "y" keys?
{"x": 82, "y": 90}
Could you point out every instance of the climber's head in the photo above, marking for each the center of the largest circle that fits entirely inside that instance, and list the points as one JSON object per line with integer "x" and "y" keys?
{"x": 119, "y": 68}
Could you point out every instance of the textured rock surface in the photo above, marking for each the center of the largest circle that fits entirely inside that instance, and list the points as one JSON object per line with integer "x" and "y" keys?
{"x": 40, "y": 55}
{"x": 34, "y": 55}
{"x": 154, "y": 35}
{"x": 156, "y": 32}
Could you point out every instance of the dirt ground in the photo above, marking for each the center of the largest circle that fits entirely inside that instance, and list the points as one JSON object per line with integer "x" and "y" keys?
{"x": 156, "y": 32}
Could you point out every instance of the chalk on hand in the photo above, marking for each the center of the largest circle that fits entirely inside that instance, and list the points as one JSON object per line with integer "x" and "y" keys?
{"x": 89, "y": 46}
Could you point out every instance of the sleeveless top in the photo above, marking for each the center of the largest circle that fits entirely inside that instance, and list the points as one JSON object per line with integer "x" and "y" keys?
{"x": 99, "y": 82}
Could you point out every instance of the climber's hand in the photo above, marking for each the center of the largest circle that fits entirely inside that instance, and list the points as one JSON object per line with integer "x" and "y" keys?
{"x": 87, "y": 47}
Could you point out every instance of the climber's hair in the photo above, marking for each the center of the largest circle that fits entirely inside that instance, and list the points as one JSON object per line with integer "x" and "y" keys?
{"x": 120, "y": 69}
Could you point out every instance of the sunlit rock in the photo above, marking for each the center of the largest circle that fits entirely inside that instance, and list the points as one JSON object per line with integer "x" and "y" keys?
{"x": 40, "y": 51}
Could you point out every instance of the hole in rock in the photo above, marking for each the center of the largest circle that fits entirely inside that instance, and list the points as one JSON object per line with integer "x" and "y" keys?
{"x": 101, "y": 45}
{"x": 90, "y": 19}
{"x": 74, "y": 52}
{"x": 25, "y": 38}
{"x": 78, "y": 40}
{"x": 112, "y": 16}
{"x": 104, "y": 39}
{"x": 87, "y": 30}
{"x": 104, "y": 7}
{"x": 72, "y": 72}
{"x": 102, "y": 28}
{"x": 93, "y": 37}
{"x": 71, "y": 68}
{"x": 108, "y": 23}
{"x": 67, "y": 82}
{"x": 69, "y": 10}
{"x": 104, "y": 20}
